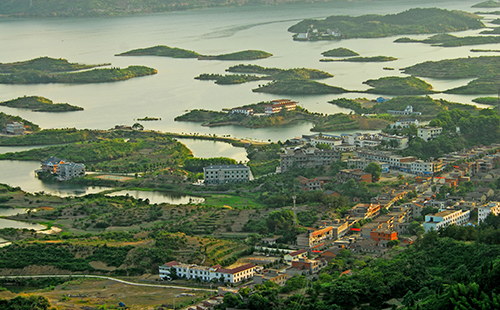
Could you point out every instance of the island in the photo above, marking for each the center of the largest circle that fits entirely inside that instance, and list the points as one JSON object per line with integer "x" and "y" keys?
{"x": 45, "y": 64}
{"x": 484, "y": 85}
{"x": 487, "y": 4}
{"x": 147, "y": 119}
{"x": 161, "y": 50}
{"x": 265, "y": 114}
{"x": 82, "y": 77}
{"x": 363, "y": 59}
{"x": 495, "y": 30}
{"x": 448, "y": 40}
{"x": 39, "y": 104}
{"x": 393, "y": 85}
{"x": 265, "y": 74}
{"x": 413, "y": 21}
{"x": 298, "y": 87}
{"x": 458, "y": 68}
{"x": 339, "y": 52}
{"x": 484, "y": 51}
{"x": 174, "y": 52}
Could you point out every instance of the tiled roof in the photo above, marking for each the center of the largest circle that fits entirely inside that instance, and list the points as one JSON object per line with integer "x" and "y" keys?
{"x": 297, "y": 252}
{"x": 172, "y": 263}
{"x": 237, "y": 269}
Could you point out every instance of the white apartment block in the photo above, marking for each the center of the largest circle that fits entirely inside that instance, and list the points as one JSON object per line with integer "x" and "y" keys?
{"x": 220, "y": 174}
{"x": 68, "y": 171}
{"x": 422, "y": 167}
{"x": 429, "y": 133}
{"x": 484, "y": 211}
{"x": 15, "y": 128}
{"x": 214, "y": 273}
{"x": 445, "y": 218}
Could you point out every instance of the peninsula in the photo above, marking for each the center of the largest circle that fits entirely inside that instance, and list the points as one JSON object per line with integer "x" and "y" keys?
{"x": 394, "y": 85}
{"x": 362, "y": 59}
{"x": 6, "y": 118}
{"x": 39, "y": 104}
{"x": 45, "y": 64}
{"x": 413, "y": 21}
{"x": 448, "y": 40}
{"x": 260, "y": 115}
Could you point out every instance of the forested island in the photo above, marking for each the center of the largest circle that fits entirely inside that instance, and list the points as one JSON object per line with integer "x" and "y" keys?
{"x": 448, "y": 40}
{"x": 393, "y": 85}
{"x": 340, "y": 52}
{"x": 485, "y": 68}
{"x": 264, "y": 74}
{"x": 298, "y": 87}
{"x": 321, "y": 122}
{"x": 487, "y": 4}
{"x": 413, "y": 21}
{"x": 174, "y": 52}
{"x": 362, "y": 59}
{"x": 39, "y": 104}
{"x": 486, "y": 100}
{"x": 45, "y": 64}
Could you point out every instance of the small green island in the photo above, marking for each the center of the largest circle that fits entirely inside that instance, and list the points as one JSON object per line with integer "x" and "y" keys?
{"x": 39, "y": 104}
{"x": 45, "y": 64}
{"x": 487, "y": 4}
{"x": 495, "y": 30}
{"x": 321, "y": 122}
{"x": 174, "y": 52}
{"x": 482, "y": 85}
{"x": 413, "y": 21}
{"x": 393, "y": 85}
{"x": 448, "y": 40}
{"x": 362, "y": 59}
{"x": 148, "y": 119}
{"x": 264, "y": 74}
{"x": 474, "y": 50}
{"x": 339, "y": 52}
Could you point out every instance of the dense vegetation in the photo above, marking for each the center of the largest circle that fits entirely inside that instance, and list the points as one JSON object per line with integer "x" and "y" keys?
{"x": 31, "y": 302}
{"x": 39, "y": 104}
{"x": 339, "y": 52}
{"x": 426, "y": 105}
{"x": 31, "y": 76}
{"x": 448, "y": 40}
{"x": 483, "y": 85}
{"x": 421, "y": 276}
{"x": 161, "y": 50}
{"x": 486, "y": 100}
{"x": 413, "y": 21}
{"x": 230, "y": 78}
{"x": 363, "y": 59}
{"x": 394, "y": 85}
{"x": 298, "y": 87}
{"x": 45, "y": 64}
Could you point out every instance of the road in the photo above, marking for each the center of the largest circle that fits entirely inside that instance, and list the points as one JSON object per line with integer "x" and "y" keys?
{"x": 112, "y": 279}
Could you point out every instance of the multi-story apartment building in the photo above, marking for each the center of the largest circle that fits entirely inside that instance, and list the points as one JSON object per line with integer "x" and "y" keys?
{"x": 487, "y": 209}
{"x": 15, "y": 128}
{"x": 445, "y": 218}
{"x": 307, "y": 157}
{"x": 220, "y": 174}
{"x": 429, "y": 133}
{"x": 314, "y": 237}
{"x": 68, "y": 171}
{"x": 192, "y": 271}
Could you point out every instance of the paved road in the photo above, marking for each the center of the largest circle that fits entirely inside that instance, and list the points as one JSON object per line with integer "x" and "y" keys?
{"x": 112, "y": 279}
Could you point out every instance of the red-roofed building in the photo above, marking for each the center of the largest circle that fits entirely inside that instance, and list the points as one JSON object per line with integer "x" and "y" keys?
{"x": 295, "y": 255}
{"x": 192, "y": 271}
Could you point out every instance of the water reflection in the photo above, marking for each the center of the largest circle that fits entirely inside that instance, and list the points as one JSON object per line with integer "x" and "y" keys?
{"x": 160, "y": 197}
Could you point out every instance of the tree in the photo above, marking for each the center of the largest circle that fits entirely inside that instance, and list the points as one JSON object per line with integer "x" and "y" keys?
{"x": 375, "y": 170}
{"x": 137, "y": 126}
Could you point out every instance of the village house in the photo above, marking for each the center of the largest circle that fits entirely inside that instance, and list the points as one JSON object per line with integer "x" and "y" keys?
{"x": 345, "y": 175}
{"x": 295, "y": 255}
{"x": 307, "y": 157}
{"x": 487, "y": 209}
{"x": 428, "y": 133}
{"x": 207, "y": 274}
{"x": 15, "y": 128}
{"x": 314, "y": 236}
{"x": 242, "y": 110}
{"x": 277, "y": 105}
{"x": 445, "y": 219}
{"x": 407, "y": 111}
{"x": 310, "y": 184}
{"x": 270, "y": 275}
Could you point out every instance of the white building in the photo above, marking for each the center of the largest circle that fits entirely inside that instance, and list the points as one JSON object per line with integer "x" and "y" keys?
{"x": 405, "y": 123}
{"x": 422, "y": 167}
{"x": 244, "y": 111}
{"x": 214, "y": 273}
{"x": 445, "y": 218}
{"x": 429, "y": 133}
{"x": 219, "y": 174}
{"x": 15, "y": 128}
{"x": 407, "y": 111}
{"x": 484, "y": 211}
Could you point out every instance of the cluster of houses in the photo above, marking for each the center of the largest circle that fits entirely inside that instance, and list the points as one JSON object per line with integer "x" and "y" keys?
{"x": 62, "y": 169}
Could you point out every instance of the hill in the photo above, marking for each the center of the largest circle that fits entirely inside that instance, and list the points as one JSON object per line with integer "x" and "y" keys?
{"x": 39, "y": 104}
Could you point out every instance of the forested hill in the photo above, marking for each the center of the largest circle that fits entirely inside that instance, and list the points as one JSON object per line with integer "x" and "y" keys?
{"x": 93, "y": 8}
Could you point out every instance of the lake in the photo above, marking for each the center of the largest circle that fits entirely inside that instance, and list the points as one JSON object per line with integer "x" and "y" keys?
{"x": 160, "y": 197}
{"x": 214, "y": 31}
